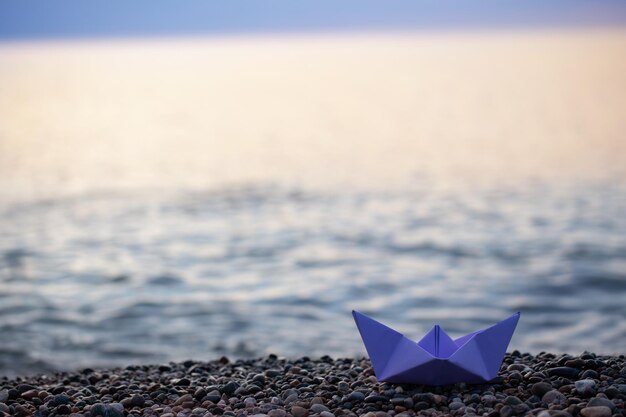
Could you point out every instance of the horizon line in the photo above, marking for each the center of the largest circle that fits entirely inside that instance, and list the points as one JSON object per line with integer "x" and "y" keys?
{"x": 317, "y": 32}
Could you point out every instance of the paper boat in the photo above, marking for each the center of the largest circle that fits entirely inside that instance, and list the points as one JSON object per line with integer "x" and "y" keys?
{"x": 436, "y": 359}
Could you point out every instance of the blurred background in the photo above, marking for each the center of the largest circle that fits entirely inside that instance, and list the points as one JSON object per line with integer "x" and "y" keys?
{"x": 233, "y": 178}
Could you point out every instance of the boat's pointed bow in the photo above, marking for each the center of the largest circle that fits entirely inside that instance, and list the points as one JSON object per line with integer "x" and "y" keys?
{"x": 380, "y": 341}
{"x": 494, "y": 341}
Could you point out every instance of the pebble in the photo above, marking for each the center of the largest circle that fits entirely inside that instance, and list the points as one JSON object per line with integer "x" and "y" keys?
{"x": 30, "y": 394}
{"x": 589, "y": 374}
{"x": 512, "y": 400}
{"x": 601, "y": 402}
{"x": 506, "y": 411}
{"x": 22, "y": 388}
{"x": 278, "y": 412}
{"x": 58, "y": 400}
{"x": 488, "y": 399}
{"x": 586, "y": 387}
{"x": 356, "y": 396}
{"x": 298, "y": 411}
{"x": 575, "y": 363}
{"x": 292, "y": 398}
{"x": 318, "y": 408}
{"x": 343, "y": 386}
{"x": 21, "y": 411}
{"x": 134, "y": 401}
{"x": 598, "y": 411}
{"x": 540, "y": 388}
{"x": 455, "y": 405}
{"x": 553, "y": 397}
{"x": 183, "y": 399}
{"x": 105, "y": 410}
{"x": 565, "y": 371}
{"x": 213, "y": 396}
{"x": 544, "y": 385}
{"x": 374, "y": 398}
{"x": 183, "y": 382}
{"x": 408, "y": 403}
{"x": 230, "y": 388}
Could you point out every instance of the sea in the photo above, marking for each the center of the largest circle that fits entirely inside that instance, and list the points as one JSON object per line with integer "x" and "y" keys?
{"x": 182, "y": 198}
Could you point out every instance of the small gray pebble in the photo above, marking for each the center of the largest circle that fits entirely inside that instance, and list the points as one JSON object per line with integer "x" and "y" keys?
{"x": 318, "y": 408}
{"x": 506, "y": 411}
{"x": 512, "y": 400}
{"x": 553, "y": 397}
{"x": 279, "y": 412}
{"x": 213, "y": 396}
{"x": 601, "y": 402}
{"x": 291, "y": 399}
{"x": 343, "y": 386}
{"x": 597, "y": 411}
{"x": 272, "y": 373}
{"x": 488, "y": 399}
{"x": 356, "y": 396}
{"x": 106, "y": 410}
{"x": 586, "y": 387}
{"x": 230, "y": 388}
{"x": 455, "y": 405}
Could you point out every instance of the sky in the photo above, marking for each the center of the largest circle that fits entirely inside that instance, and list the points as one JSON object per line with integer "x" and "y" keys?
{"x": 44, "y": 19}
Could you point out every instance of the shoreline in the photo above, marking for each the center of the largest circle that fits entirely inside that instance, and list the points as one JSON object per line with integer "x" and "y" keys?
{"x": 541, "y": 385}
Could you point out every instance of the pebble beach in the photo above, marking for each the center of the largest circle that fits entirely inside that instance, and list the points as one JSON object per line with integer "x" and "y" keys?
{"x": 543, "y": 385}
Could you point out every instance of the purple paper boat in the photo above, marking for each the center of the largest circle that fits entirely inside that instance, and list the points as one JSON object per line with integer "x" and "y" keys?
{"x": 436, "y": 359}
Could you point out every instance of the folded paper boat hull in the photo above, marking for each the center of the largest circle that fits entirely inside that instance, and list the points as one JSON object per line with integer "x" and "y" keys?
{"x": 436, "y": 359}
{"x": 436, "y": 372}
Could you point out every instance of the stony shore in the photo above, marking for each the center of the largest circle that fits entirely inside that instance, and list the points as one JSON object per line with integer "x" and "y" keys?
{"x": 543, "y": 385}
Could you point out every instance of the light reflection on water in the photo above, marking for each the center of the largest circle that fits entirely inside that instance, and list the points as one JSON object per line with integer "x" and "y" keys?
{"x": 147, "y": 294}
{"x": 167, "y": 200}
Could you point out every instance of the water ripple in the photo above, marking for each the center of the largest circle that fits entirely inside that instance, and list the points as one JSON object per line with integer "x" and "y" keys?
{"x": 111, "y": 280}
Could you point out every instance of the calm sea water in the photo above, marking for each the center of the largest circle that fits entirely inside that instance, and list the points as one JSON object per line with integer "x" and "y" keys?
{"x": 168, "y": 200}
